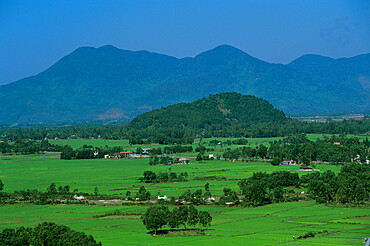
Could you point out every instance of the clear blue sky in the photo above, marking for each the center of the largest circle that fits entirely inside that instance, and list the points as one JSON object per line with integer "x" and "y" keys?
{"x": 36, "y": 34}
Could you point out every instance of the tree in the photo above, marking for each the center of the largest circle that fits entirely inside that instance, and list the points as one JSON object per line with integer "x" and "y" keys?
{"x": 174, "y": 218}
{"x": 46, "y": 233}
{"x": 155, "y": 218}
{"x": 276, "y": 161}
{"x": 139, "y": 150}
{"x": 143, "y": 195}
{"x": 96, "y": 191}
{"x": 262, "y": 151}
{"x": 52, "y": 189}
{"x": 183, "y": 216}
{"x": 1, "y": 185}
{"x": 205, "y": 218}
{"x": 207, "y": 193}
{"x": 149, "y": 177}
{"x": 193, "y": 218}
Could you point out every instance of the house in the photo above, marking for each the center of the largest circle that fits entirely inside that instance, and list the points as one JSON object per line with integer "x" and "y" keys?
{"x": 118, "y": 155}
{"x": 162, "y": 197}
{"x": 336, "y": 143}
{"x": 78, "y": 197}
{"x": 211, "y": 156}
{"x": 184, "y": 160}
{"x": 146, "y": 150}
{"x": 287, "y": 162}
{"x": 305, "y": 168}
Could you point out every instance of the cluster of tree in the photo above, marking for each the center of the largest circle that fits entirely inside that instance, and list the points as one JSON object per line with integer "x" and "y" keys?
{"x": 350, "y": 186}
{"x": 197, "y": 197}
{"x": 156, "y": 217}
{"x": 25, "y": 147}
{"x": 260, "y": 151}
{"x": 166, "y": 130}
{"x": 336, "y": 149}
{"x": 46, "y": 233}
{"x": 263, "y": 188}
{"x": 151, "y": 177}
{"x": 52, "y": 194}
{"x": 240, "y": 141}
{"x": 177, "y": 149}
{"x": 141, "y": 195}
{"x": 88, "y": 152}
{"x": 229, "y": 196}
{"x": 163, "y": 160}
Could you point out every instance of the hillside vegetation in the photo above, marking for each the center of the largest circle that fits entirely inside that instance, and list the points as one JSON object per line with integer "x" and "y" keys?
{"x": 110, "y": 83}
{"x": 217, "y": 112}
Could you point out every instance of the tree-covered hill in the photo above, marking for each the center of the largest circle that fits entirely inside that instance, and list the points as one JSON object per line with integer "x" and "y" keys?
{"x": 110, "y": 83}
{"x": 216, "y": 112}
{"x": 352, "y": 74}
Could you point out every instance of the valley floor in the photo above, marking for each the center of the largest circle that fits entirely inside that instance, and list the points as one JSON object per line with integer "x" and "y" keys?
{"x": 267, "y": 225}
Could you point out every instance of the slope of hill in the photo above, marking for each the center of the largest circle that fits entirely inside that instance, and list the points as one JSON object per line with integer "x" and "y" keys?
{"x": 110, "y": 83}
{"x": 352, "y": 73}
{"x": 218, "y": 111}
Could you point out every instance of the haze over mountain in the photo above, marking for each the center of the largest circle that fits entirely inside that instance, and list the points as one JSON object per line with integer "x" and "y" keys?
{"x": 110, "y": 83}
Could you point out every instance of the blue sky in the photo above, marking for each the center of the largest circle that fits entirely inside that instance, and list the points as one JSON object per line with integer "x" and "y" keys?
{"x": 36, "y": 34}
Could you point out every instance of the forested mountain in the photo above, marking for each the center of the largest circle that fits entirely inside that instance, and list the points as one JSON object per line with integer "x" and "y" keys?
{"x": 352, "y": 74}
{"x": 110, "y": 83}
{"x": 218, "y": 112}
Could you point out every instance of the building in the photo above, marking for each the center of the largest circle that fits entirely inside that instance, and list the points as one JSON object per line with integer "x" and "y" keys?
{"x": 287, "y": 162}
{"x": 184, "y": 160}
{"x": 119, "y": 155}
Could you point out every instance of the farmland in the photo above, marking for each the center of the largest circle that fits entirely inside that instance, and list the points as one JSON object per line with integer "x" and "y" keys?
{"x": 267, "y": 225}
{"x": 119, "y": 175}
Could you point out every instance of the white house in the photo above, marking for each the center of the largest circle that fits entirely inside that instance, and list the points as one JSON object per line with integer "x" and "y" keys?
{"x": 78, "y": 197}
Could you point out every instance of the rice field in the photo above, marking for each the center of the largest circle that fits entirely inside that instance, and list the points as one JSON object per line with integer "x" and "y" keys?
{"x": 267, "y": 225}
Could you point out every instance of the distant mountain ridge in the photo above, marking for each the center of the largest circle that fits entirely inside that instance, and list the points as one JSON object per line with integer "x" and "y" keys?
{"x": 111, "y": 83}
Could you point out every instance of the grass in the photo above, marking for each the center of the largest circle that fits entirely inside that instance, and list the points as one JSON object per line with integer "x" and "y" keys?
{"x": 267, "y": 225}
{"x": 120, "y": 175}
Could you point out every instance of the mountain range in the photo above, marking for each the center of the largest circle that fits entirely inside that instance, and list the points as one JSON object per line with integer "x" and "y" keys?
{"x": 110, "y": 83}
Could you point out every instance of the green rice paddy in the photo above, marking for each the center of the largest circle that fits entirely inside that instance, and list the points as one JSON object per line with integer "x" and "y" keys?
{"x": 267, "y": 225}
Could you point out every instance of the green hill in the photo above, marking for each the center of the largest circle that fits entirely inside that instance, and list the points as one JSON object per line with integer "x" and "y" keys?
{"x": 110, "y": 83}
{"x": 219, "y": 112}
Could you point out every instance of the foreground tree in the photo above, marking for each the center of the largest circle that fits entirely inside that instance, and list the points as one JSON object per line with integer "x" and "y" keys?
{"x": 47, "y": 233}
{"x": 155, "y": 218}
{"x": 205, "y": 218}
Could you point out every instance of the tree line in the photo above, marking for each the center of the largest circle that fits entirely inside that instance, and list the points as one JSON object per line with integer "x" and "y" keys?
{"x": 183, "y": 134}
{"x": 350, "y": 186}
{"x": 151, "y": 177}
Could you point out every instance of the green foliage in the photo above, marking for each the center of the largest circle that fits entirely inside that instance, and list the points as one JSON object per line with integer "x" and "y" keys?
{"x": 337, "y": 149}
{"x": 143, "y": 194}
{"x": 350, "y": 186}
{"x": 1, "y": 185}
{"x": 161, "y": 80}
{"x": 157, "y": 217}
{"x": 151, "y": 177}
{"x": 46, "y": 233}
{"x": 218, "y": 113}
